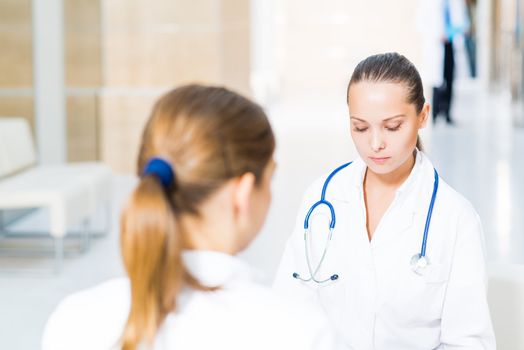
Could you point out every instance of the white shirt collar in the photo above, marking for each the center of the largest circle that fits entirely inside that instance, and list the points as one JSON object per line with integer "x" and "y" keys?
{"x": 422, "y": 165}
{"x": 360, "y": 171}
{"x": 215, "y": 269}
{"x": 407, "y": 184}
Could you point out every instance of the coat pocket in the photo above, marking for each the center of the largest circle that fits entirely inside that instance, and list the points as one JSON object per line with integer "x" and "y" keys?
{"x": 436, "y": 273}
{"x": 418, "y": 299}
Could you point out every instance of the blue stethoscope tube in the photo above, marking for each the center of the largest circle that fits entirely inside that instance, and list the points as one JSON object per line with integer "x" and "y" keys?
{"x": 418, "y": 261}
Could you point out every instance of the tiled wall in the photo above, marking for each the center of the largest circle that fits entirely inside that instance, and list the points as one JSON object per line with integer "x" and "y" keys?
{"x": 120, "y": 55}
{"x": 15, "y": 39}
{"x": 16, "y": 73}
{"x": 83, "y": 77}
{"x": 151, "y": 47}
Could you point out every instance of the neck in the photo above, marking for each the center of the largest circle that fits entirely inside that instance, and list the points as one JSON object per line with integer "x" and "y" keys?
{"x": 391, "y": 180}
{"x": 200, "y": 234}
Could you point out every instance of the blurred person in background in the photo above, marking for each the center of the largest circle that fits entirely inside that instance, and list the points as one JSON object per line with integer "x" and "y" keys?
{"x": 470, "y": 38}
{"x": 389, "y": 250}
{"x": 443, "y": 25}
{"x": 205, "y": 167}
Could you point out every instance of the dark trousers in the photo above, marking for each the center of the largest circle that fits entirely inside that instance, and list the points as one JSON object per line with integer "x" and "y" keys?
{"x": 443, "y": 94}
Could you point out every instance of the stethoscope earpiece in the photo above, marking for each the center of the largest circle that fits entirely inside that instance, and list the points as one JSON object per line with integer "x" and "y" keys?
{"x": 332, "y": 278}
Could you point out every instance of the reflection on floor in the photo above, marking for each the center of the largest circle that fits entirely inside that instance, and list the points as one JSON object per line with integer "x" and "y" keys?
{"x": 481, "y": 156}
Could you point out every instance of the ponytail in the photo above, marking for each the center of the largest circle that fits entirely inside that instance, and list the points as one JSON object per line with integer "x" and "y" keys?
{"x": 151, "y": 248}
{"x": 196, "y": 139}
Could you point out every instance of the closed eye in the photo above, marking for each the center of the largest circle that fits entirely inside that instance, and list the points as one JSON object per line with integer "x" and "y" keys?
{"x": 394, "y": 127}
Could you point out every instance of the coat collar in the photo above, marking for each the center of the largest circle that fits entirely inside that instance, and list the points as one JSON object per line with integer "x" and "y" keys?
{"x": 215, "y": 268}
{"x": 410, "y": 199}
{"x": 349, "y": 183}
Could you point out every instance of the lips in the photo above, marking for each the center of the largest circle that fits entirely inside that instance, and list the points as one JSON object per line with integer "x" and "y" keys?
{"x": 379, "y": 160}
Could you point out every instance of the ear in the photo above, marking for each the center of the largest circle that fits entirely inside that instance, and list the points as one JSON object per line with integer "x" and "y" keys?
{"x": 242, "y": 192}
{"x": 423, "y": 116}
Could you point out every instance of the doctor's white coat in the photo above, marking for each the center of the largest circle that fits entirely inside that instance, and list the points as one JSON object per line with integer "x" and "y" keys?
{"x": 240, "y": 315}
{"x": 378, "y": 302}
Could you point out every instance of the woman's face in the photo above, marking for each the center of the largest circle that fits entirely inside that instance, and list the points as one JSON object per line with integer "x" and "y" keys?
{"x": 384, "y": 125}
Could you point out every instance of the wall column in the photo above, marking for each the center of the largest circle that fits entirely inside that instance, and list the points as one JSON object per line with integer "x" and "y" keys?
{"x": 48, "y": 68}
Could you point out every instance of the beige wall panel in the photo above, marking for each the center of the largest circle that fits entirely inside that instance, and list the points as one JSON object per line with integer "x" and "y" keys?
{"x": 233, "y": 11}
{"x": 83, "y": 66}
{"x": 15, "y": 43}
{"x": 122, "y": 119}
{"x": 126, "y": 59}
{"x": 162, "y": 44}
{"x": 82, "y": 31}
{"x": 134, "y": 15}
{"x": 235, "y": 50}
{"x": 185, "y": 57}
{"x": 184, "y": 12}
{"x": 322, "y": 44}
{"x": 82, "y": 128}
{"x": 162, "y": 59}
{"x": 235, "y": 44}
{"x": 17, "y": 106}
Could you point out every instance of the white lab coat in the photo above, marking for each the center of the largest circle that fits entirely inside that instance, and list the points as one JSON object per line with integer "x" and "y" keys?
{"x": 242, "y": 315}
{"x": 378, "y": 302}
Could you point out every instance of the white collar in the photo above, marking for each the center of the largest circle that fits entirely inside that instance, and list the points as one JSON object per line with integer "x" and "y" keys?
{"x": 408, "y": 183}
{"x": 354, "y": 180}
{"x": 360, "y": 171}
{"x": 215, "y": 269}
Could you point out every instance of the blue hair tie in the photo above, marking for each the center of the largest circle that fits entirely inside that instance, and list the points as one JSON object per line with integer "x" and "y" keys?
{"x": 161, "y": 169}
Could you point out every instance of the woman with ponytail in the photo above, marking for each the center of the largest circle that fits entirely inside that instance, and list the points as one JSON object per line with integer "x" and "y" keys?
{"x": 205, "y": 166}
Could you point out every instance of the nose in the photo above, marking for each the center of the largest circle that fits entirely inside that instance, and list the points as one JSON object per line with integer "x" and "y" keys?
{"x": 377, "y": 141}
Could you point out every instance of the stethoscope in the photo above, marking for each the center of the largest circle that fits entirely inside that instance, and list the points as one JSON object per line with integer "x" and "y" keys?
{"x": 418, "y": 262}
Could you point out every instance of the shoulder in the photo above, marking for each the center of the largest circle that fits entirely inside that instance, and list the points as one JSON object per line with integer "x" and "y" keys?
{"x": 99, "y": 296}
{"x": 454, "y": 213}
{"x": 293, "y": 324}
{"x": 262, "y": 305}
{"x": 453, "y": 202}
{"x": 448, "y": 199}
{"x": 97, "y": 315}
{"x": 344, "y": 174}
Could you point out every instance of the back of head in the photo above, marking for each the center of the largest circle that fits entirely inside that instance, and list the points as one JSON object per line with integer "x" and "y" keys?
{"x": 207, "y": 135}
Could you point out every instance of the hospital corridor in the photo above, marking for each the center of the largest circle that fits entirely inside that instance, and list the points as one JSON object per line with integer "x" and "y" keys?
{"x": 79, "y": 79}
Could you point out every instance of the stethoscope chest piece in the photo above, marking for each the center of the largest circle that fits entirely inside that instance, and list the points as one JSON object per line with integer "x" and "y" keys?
{"x": 419, "y": 264}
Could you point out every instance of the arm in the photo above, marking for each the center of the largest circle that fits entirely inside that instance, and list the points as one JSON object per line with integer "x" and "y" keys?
{"x": 466, "y": 322}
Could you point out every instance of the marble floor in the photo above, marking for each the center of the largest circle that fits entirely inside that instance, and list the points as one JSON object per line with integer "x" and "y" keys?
{"x": 481, "y": 156}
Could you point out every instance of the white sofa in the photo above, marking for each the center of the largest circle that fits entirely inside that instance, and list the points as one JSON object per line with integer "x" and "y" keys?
{"x": 506, "y": 302}
{"x": 71, "y": 192}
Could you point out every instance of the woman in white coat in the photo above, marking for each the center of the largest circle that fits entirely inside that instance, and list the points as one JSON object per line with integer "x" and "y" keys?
{"x": 205, "y": 167}
{"x": 379, "y": 284}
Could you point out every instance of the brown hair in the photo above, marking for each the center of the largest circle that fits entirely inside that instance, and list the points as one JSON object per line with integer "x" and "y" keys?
{"x": 208, "y": 135}
{"x": 391, "y": 67}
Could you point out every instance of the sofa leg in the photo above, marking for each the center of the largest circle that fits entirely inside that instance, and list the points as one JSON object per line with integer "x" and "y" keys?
{"x": 107, "y": 217}
{"x": 59, "y": 253}
{"x": 86, "y": 235}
